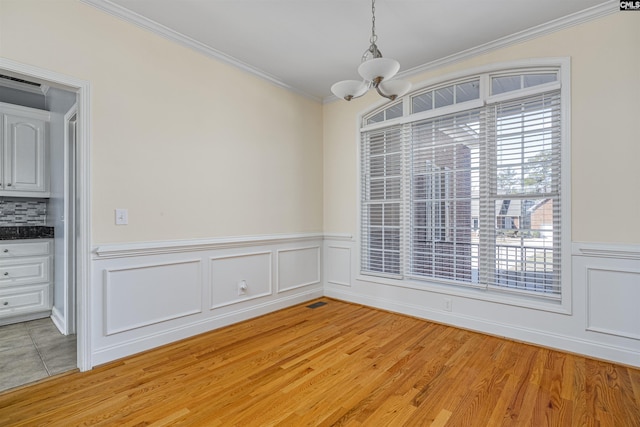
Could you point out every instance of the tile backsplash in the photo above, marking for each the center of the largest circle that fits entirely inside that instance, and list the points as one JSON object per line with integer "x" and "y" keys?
{"x": 23, "y": 212}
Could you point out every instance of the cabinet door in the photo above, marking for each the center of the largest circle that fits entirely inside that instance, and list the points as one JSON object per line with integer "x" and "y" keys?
{"x": 24, "y": 154}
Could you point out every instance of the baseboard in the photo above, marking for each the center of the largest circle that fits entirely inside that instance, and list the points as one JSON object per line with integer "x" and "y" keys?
{"x": 556, "y": 341}
{"x": 58, "y": 319}
{"x": 127, "y": 348}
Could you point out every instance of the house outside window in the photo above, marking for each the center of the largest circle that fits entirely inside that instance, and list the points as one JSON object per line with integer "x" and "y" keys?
{"x": 462, "y": 185}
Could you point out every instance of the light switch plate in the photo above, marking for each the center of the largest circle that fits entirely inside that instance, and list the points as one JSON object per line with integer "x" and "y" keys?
{"x": 122, "y": 217}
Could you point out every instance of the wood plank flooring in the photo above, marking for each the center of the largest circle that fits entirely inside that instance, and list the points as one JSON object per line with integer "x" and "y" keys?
{"x": 338, "y": 364}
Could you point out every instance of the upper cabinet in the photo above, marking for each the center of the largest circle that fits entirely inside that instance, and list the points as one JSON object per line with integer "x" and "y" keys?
{"x": 24, "y": 168}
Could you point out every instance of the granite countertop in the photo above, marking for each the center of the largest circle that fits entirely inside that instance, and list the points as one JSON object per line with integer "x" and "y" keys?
{"x": 25, "y": 232}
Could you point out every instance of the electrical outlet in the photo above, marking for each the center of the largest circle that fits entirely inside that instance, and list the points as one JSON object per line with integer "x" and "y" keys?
{"x": 242, "y": 287}
{"x": 447, "y": 304}
{"x": 122, "y": 217}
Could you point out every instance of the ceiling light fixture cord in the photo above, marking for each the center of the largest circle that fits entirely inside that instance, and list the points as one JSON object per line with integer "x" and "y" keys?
{"x": 376, "y": 72}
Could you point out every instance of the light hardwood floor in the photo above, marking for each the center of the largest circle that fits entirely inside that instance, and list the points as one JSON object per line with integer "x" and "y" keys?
{"x": 338, "y": 364}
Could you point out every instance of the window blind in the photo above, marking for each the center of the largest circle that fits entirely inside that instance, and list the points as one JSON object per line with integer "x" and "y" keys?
{"x": 381, "y": 201}
{"x": 445, "y": 163}
{"x": 470, "y": 198}
{"x": 523, "y": 246}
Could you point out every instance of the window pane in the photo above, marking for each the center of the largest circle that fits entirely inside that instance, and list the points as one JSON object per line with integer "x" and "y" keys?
{"x": 539, "y": 79}
{"x": 379, "y": 117}
{"x": 467, "y": 91}
{"x": 505, "y": 84}
{"x": 445, "y": 159}
{"x": 394, "y": 111}
{"x": 443, "y": 97}
{"x": 526, "y": 246}
{"x": 422, "y": 102}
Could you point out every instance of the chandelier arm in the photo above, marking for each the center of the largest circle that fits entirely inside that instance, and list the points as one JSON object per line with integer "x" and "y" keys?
{"x": 391, "y": 97}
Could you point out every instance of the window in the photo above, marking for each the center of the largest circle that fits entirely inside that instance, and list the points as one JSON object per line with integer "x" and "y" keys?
{"x": 471, "y": 197}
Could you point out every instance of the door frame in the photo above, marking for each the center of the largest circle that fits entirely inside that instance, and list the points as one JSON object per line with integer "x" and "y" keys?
{"x": 70, "y": 213}
{"x": 83, "y": 140}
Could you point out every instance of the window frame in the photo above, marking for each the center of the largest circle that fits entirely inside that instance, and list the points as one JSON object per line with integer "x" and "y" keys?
{"x": 484, "y": 74}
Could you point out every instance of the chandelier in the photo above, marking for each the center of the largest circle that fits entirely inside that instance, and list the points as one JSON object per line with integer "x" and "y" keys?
{"x": 375, "y": 71}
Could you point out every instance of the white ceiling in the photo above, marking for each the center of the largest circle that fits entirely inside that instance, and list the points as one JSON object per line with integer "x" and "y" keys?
{"x": 307, "y": 45}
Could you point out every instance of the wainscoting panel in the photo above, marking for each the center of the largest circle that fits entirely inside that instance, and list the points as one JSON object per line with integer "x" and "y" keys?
{"x": 227, "y": 273}
{"x": 298, "y": 267}
{"x": 339, "y": 258}
{"x": 612, "y": 302}
{"x": 143, "y": 295}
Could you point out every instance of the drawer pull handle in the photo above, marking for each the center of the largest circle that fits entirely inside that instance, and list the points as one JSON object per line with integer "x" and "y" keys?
{"x": 9, "y": 185}
{"x": 6, "y": 303}
{"x": 5, "y": 251}
{"x": 6, "y": 273}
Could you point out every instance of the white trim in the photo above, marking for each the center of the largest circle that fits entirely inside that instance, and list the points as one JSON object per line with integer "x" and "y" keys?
{"x": 595, "y": 12}
{"x": 174, "y": 36}
{"x": 588, "y": 327}
{"x": 338, "y": 282}
{"x": 535, "y": 302}
{"x": 610, "y": 352}
{"x": 563, "y": 67}
{"x": 240, "y": 299}
{"x": 107, "y": 286}
{"x": 119, "y": 250}
{"x": 339, "y": 236}
{"x": 166, "y": 336}
{"x": 300, "y": 285}
{"x": 607, "y": 250}
{"x": 68, "y": 295}
{"x": 58, "y": 320}
{"x": 568, "y": 21}
{"x": 82, "y": 88}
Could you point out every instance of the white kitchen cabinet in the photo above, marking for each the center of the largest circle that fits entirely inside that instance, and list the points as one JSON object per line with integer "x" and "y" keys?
{"x": 26, "y": 290}
{"x": 23, "y": 152}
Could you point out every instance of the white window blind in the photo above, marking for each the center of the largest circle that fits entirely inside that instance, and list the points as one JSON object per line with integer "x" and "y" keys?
{"x": 468, "y": 199}
{"x": 381, "y": 200}
{"x": 444, "y": 175}
{"x": 524, "y": 194}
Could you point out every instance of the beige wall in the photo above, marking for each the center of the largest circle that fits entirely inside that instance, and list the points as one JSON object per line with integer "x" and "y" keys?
{"x": 194, "y": 148}
{"x": 605, "y": 136}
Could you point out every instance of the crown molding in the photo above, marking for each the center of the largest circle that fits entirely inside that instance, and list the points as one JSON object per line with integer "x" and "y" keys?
{"x": 174, "y": 36}
{"x": 595, "y": 12}
{"x": 577, "y": 18}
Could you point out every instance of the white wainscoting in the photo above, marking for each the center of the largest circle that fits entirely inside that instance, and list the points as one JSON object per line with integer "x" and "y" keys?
{"x": 150, "y": 294}
{"x": 604, "y": 322}
{"x": 254, "y": 269}
{"x": 611, "y": 274}
{"x": 298, "y": 267}
{"x": 141, "y": 295}
{"x": 338, "y": 264}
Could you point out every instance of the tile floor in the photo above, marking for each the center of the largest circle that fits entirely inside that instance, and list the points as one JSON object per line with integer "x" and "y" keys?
{"x": 34, "y": 350}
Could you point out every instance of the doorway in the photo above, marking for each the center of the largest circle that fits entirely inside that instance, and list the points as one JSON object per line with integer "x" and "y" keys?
{"x": 75, "y": 245}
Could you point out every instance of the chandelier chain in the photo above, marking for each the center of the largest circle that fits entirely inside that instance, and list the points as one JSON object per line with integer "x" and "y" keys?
{"x": 373, "y": 38}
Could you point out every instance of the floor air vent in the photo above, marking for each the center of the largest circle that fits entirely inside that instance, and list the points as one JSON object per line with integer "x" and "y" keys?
{"x": 317, "y": 304}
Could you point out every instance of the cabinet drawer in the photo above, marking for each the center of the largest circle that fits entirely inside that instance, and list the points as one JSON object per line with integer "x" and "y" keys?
{"x": 24, "y": 300}
{"x": 12, "y": 250}
{"x": 24, "y": 271}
